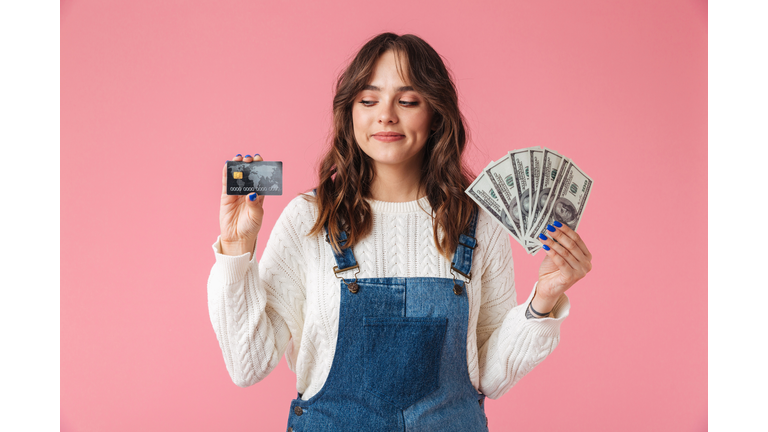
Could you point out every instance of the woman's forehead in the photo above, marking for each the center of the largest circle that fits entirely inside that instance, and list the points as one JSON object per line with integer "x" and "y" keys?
{"x": 388, "y": 71}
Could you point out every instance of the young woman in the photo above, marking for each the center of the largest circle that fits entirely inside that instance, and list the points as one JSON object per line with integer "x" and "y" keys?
{"x": 391, "y": 296}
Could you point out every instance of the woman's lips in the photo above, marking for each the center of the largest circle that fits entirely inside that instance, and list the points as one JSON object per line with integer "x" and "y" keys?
{"x": 388, "y": 137}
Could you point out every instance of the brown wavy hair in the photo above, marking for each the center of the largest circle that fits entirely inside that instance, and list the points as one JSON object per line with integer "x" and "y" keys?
{"x": 346, "y": 172}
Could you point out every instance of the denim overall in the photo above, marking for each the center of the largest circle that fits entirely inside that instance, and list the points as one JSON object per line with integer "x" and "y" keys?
{"x": 401, "y": 355}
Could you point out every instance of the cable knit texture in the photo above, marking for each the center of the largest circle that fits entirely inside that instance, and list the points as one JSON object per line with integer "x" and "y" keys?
{"x": 288, "y": 302}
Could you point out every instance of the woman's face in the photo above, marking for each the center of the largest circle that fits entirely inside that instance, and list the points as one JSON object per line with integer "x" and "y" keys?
{"x": 390, "y": 105}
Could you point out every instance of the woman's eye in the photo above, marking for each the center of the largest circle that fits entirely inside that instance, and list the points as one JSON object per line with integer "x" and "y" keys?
{"x": 406, "y": 103}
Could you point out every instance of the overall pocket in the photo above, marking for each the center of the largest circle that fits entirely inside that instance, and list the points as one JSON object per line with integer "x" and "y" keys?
{"x": 402, "y": 357}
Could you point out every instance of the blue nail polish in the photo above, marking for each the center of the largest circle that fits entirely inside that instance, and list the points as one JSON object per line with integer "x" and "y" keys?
{"x": 557, "y": 224}
{"x": 239, "y": 155}
{"x": 543, "y": 237}
{"x": 256, "y": 155}
{"x": 550, "y": 228}
{"x": 253, "y": 196}
{"x": 545, "y": 247}
{"x": 247, "y": 155}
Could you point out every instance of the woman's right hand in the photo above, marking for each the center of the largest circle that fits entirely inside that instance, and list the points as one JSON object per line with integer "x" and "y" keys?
{"x": 239, "y": 217}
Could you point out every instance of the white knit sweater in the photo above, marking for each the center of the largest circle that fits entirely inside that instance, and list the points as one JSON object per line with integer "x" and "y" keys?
{"x": 289, "y": 301}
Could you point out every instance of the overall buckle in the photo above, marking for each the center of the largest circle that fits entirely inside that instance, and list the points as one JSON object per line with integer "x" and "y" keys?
{"x": 456, "y": 287}
{"x": 352, "y": 286}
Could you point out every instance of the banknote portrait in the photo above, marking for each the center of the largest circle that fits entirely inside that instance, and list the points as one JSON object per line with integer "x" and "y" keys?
{"x": 514, "y": 211}
{"x": 526, "y": 204}
{"x": 507, "y": 221}
{"x": 565, "y": 212}
{"x": 542, "y": 200}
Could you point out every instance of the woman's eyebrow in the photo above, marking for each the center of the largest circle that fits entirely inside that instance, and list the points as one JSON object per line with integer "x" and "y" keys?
{"x": 401, "y": 89}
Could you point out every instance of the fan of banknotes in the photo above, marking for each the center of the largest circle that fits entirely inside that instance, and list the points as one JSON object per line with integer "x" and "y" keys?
{"x": 530, "y": 188}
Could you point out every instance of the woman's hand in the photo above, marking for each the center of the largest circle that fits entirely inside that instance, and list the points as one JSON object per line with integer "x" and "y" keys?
{"x": 567, "y": 261}
{"x": 240, "y": 216}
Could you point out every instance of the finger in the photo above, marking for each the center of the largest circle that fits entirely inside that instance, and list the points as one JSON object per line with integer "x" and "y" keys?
{"x": 559, "y": 261}
{"x": 257, "y": 157}
{"x": 255, "y": 204}
{"x": 567, "y": 242}
{"x": 255, "y": 199}
{"x": 572, "y": 262}
{"x": 575, "y": 237}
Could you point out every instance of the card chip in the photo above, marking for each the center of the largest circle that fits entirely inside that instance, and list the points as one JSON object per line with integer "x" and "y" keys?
{"x": 237, "y": 174}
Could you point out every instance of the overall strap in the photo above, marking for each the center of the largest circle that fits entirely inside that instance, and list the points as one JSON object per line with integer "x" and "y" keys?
{"x": 462, "y": 258}
{"x": 346, "y": 259}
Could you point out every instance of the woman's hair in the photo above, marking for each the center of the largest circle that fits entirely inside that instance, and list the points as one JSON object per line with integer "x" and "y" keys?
{"x": 346, "y": 172}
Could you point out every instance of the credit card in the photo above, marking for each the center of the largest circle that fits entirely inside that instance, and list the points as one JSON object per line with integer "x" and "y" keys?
{"x": 262, "y": 177}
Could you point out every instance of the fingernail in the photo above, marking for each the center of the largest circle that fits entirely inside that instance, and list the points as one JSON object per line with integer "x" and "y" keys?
{"x": 253, "y": 196}
{"x": 256, "y": 155}
{"x": 543, "y": 237}
{"x": 247, "y": 155}
{"x": 239, "y": 155}
{"x": 557, "y": 224}
{"x": 545, "y": 247}
{"x": 550, "y": 228}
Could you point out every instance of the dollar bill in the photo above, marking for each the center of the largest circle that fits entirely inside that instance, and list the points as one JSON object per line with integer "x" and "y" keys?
{"x": 530, "y": 188}
{"x": 483, "y": 193}
{"x": 535, "y": 230}
{"x": 568, "y": 199}
{"x": 521, "y": 165}
{"x": 550, "y": 164}
{"x": 535, "y": 155}
{"x": 502, "y": 178}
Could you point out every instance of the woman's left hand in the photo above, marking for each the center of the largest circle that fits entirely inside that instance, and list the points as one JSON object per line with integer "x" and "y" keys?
{"x": 567, "y": 261}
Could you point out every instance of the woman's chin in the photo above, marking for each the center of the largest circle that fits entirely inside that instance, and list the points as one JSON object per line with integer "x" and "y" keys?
{"x": 391, "y": 161}
{"x": 394, "y": 156}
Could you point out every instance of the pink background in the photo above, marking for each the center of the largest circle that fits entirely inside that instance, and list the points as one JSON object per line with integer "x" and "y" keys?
{"x": 156, "y": 95}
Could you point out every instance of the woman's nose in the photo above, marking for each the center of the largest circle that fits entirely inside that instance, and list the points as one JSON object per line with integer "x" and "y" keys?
{"x": 387, "y": 114}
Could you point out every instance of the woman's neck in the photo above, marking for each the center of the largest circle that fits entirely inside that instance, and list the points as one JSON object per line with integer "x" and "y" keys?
{"x": 397, "y": 183}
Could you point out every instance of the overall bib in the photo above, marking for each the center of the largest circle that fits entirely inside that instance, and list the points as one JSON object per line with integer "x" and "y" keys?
{"x": 401, "y": 355}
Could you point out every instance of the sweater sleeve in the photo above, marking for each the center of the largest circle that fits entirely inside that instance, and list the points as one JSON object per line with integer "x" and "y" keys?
{"x": 509, "y": 345}
{"x": 257, "y": 309}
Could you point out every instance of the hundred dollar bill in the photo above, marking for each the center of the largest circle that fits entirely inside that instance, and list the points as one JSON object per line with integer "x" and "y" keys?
{"x": 550, "y": 164}
{"x": 568, "y": 199}
{"x": 502, "y": 177}
{"x": 535, "y": 155}
{"x": 482, "y": 192}
{"x": 533, "y": 231}
{"x": 521, "y": 163}
{"x": 501, "y": 174}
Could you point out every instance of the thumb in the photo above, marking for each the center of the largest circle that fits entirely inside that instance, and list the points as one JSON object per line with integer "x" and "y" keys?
{"x": 255, "y": 203}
